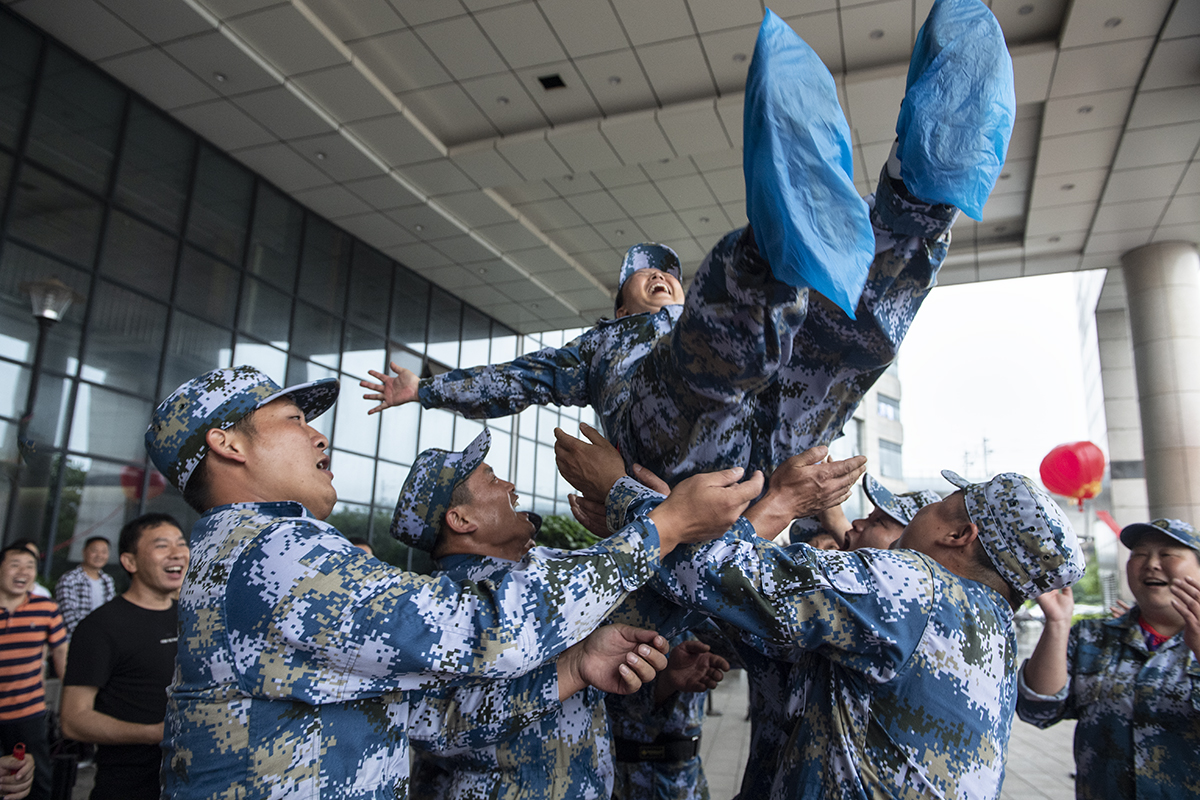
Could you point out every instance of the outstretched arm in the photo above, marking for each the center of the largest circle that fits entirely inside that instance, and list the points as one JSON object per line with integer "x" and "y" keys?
{"x": 1046, "y": 670}
{"x": 803, "y": 485}
{"x": 392, "y": 390}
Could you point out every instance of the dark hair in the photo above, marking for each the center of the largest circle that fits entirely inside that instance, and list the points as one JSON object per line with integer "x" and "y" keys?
{"x": 131, "y": 532}
{"x": 357, "y": 540}
{"x": 27, "y": 543}
{"x": 195, "y": 493}
{"x": 87, "y": 542}
{"x": 20, "y": 549}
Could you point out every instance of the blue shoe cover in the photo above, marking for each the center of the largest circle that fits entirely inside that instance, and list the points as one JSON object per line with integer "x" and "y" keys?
{"x": 959, "y": 107}
{"x": 808, "y": 220}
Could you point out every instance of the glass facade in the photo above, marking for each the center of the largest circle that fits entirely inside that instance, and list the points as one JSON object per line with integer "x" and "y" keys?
{"x": 188, "y": 261}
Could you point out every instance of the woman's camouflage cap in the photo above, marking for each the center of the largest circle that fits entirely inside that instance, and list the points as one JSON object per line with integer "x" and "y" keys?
{"x": 647, "y": 255}
{"x": 218, "y": 399}
{"x": 425, "y": 497}
{"x": 1024, "y": 532}
{"x": 1177, "y": 529}
{"x": 900, "y": 507}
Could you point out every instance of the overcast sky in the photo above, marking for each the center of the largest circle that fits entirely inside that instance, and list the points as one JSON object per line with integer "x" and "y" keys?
{"x": 1001, "y": 360}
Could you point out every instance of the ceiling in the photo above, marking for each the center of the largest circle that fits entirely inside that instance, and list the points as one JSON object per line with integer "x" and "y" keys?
{"x": 423, "y": 126}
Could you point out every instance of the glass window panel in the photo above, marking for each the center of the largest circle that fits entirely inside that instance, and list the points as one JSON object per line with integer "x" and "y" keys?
{"x": 547, "y": 422}
{"x": 32, "y": 511}
{"x": 890, "y": 459}
{"x": 504, "y": 344}
{"x": 93, "y": 504}
{"x": 275, "y": 240}
{"x": 355, "y": 429}
{"x": 547, "y": 472}
{"x": 410, "y": 308}
{"x": 55, "y": 217}
{"x": 220, "y": 205}
{"x": 362, "y": 351}
{"x": 316, "y": 335}
{"x": 564, "y": 489}
{"x": 465, "y": 431}
{"x": 265, "y": 312}
{"x": 267, "y": 358}
{"x": 325, "y": 265}
{"x": 14, "y": 386}
{"x": 354, "y": 476}
{"x": 476, "y": 338}
{"x": 437, "y": 429}
{"x": 207, "y": 287}
{"x": 156, "y": 163}
{"x": 5, "y": 172}
{"x": 164, "y": 498}
{"x": 848, "y": 445}
{"x": 526, "y": 461}
{"x": 552, "y": 339}
{"x": 124, "y": 341}
{"x": 49, "y": 423}
{"x": 370, "y": 288}
{"x": 138, "y": 255}
{"x": 389, "y": 480}
{"x": 300, "y": 371}
{"x": 193, "y": 348}
{"x": 445, "y": 317}
{"x": 500, "y": 454}
{"x": 19, "y": 48}
{"x": 400, "y": 426}
{"x": 76, "y": 120}
{"x": 527, "y": 422}
{"x": 18, "y": 329}
{"x": 109, "y": 424}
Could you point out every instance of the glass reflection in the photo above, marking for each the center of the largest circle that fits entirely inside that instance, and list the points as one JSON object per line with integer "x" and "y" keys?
{"x": 316, "y": 335}
{"x": 445, "y": 317}
{"x": 124, "y": 341}
{"x": 265, "y": 312}
{"x": 410, "y": 310}
{"x": 139, "y": 255}
{"x": 437, "y": 429}
{"x": 324, "y": 265}
{"x": 156, "y": 161}
{"x": 18, "y": 329}
{"x": 220, "y": 205}
{"x": 271, "y": 361}
{"x": 354, "y": 477}
{"x": 55, "y": 217}
{"x": 354, "y": 429}
{"x": 193, "y": 348}
{"x": 476, "y": 338}
{"x": 275, "y": 240}
{"x": 207, "y": 287}
{"x": 370, "y": 288}
{"x": 18, "y": 61}
{"x": 108, "y": 423}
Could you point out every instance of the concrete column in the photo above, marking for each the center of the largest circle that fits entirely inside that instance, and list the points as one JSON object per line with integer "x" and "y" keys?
{"x": 1162, "y": 285}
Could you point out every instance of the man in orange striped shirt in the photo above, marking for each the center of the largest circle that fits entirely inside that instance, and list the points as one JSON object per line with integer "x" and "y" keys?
{"x": 27, "y": 624}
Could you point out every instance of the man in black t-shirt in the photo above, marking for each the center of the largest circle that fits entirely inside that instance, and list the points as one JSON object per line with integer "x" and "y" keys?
{"x": 123, "y": 657}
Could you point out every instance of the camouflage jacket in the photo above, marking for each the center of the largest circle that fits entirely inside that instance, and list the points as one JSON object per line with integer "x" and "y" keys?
{"x": 564, "y": 755}
{"x": 900, "y": 675}
{"x": 747, "y": 372}
{"x": 296, "y": 649}
{"x": 1138, "y": 734}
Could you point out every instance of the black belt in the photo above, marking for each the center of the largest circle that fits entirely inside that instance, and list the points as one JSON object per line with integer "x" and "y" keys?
{"x": 664, "y": 748}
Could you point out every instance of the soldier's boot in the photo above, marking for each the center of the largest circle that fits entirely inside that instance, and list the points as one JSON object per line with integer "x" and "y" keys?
{"x": 958, "y": 109}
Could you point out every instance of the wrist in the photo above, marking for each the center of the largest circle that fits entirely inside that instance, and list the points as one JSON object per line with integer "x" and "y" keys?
{"x": 570, "y": 678}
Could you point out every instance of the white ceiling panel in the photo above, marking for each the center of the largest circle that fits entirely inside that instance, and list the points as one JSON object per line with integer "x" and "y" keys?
{"x": 731, "y": 109}
{"x": 345, "y": 93}
{"x": 485, "y": 166}
{"x": 1097, "y": 21}
{"x": 223, "y": 124}
{"x": 1184, "y": 210}
{"x": 822, "y": 32}
{"x": 1129, "y": 216}
{"x": 1077, "y": 152}
{"x": 1000, "y": 271}
{"x": 654, "y": 22}
{"x": 1023, "y": 21}
{"x": 1086, "y": 112}
{"x": 640, "y": 200}
{"x": 1191, "y": 179}
{"x": 637, "y": 139}
{"x": 694, "y": 128}
{"x": 1184, "y": 21}
{"x": 538, "y": 260}
{"x": 511, "y": 236}
{"x": 463, "y": 250}
{"x": 83, "y": 25}
{"x": 719, "y": 160}
{"x": 1143, "y": 184}
{"x": 280, "y": 111}
{"x": 1069, "y": 242}
{"x": 728, "y": 184}
{"x": 677, "y": 70}
{"x": 462, "y": 47}
{"x": 527, "y": 192}
{"x": 474, "y": 208}
{"x": 862, "y": 24}
{"x": 622, "y": 234}
{"x": 669, "y": 168}
{"x": 873, "y": 104}
{"x": 425, "y": 223}
{"x": 789, "y": 8}
{"x": 1047, "y": 222}
{"x": 585, "y": 28}
{"x": 395, "y": 140}
{"x": 1024, "y": 140}
{"x": 449, "y": 113}
{"x": 561, "y": 106}
{"x": 715, "y": 15}
{"x": 583, "y": 148}
{"x": 438, "y": 177}
{"x": 686, "y": 192}
{"x": 1153, "y": 146}
{"x": 1118, "y": 241}
{"x": 1165, "y": 107}
{"x": 1099, "y": 68}
{"x": 158, "y": 21}
{"x": 505, "y": 102}
{"x": 580, "y": 239}
{"x": 597, "y": 207}
{"x": 664, "y": 227}
{"x": 283, "y": 166}
{"x": 532, "y": 156}
{"x": 159, "y": 78}
{"x": 1003, "y": 206}
{"x": 1067, "y": 189}
{"x": 376, "y": 229}
{"x": 331, "y": 201}
{"x": 417, "y": 255}
{"x": 551, "y": 215}
{"x": 288, "y": 40}
{"x": 728, "y": 53}
{"x": 229, "y": 8}
{"x": 357, "y": 20}
{"x": 617, "y": 81}
{"x": 736, "y": 212}
{"x": 416, "y": 12}
{"x": 620, "y": 176}
{"x": 706, "y": 224}
{"x": 1046, "y": 265}
{"x": 211, "y": 54}
{"x": 522, "y": 35}
{"x": 690, "y": 253}
{"x": 401, "y": 61}
{"x": 1032, "y": 67}
{"x": 1188, "y": 232}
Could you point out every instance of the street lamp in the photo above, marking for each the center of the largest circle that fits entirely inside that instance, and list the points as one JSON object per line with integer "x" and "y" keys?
{"x": 49, "y": 300}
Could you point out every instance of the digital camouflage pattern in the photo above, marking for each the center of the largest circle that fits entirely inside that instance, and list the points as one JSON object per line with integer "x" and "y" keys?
{"x": 1138, "y": 734}
{"x": 636, "y": 717}
{"x": 425, "y": 497}
{"x": 1177, "y": 529}
{"x": 902, "y": 676}
{"x": 218, "y": 399}
{"x": 900, "y": 507}
{"x": 296, "y": 650}
{"x": 647, "y": 255}
{"x": 562, "y": 756}
{"x": 753, "y": 370}
{"x": 1027, "y": 537}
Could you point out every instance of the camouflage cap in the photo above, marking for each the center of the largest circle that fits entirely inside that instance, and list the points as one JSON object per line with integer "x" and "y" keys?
{"x": 900, "y": 507}
{"x": 175, "y": 439}
{"x": 647, "y": 255}
{"x": 425, "y": 497}
{"x": 1177, "y": 529}
{"x": 1024, "y": 532}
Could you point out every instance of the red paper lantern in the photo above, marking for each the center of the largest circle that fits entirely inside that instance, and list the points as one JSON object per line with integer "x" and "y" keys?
{"x": 131, "y": 483}
{"x": 1074, "y": 470}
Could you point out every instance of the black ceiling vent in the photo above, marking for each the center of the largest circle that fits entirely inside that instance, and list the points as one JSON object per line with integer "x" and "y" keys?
{"x": 549, "y": 82}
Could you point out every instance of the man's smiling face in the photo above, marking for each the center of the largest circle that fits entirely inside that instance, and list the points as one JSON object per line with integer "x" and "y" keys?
{"x": 287, "y": 460}
{"x": 649, "y": 290}
{"x": 1155, "y": 562}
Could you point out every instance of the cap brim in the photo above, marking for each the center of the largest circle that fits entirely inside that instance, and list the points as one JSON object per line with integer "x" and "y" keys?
{"x": 314, "y": 398}
{"x": 1132, "y": 534}
{"x": 955, "y": 478}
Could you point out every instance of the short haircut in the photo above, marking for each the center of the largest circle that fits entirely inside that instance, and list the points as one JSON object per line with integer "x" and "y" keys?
{"x": 131, "y": 532}
{"x": 19, "y": 549}
{"x": 195, "y": 493}
{"x": 27, "y": 543}
{"x": 88, "y": 542}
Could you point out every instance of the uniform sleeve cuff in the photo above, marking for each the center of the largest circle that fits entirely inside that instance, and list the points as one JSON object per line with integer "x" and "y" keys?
{"x": 1029, "y": 694}
{"x": 626, "y": 500}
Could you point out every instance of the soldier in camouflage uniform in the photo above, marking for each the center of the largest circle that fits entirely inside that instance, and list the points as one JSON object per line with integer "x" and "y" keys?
{"x": 296, "y": 648}
{"x": 476, "y": 534}
{"x": 902, "y": 671}
{"x": 748, "y": 370}
{"x": 1133, "y": 683}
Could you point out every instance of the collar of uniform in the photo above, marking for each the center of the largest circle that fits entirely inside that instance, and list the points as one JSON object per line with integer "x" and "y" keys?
{"x": 673, "y": 311}
{"x": 456, "y": 562}
{"x": 281, "y": 508}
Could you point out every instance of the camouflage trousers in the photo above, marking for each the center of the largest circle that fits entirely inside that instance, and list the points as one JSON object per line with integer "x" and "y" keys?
{"x": 756, "y": 371}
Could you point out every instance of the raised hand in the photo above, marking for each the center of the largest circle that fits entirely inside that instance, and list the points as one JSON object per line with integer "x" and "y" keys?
{"x": 802, "y": 486}
{"x": 593, "y": 466}
{"x": 1057, "y": 605}
{"x": 1186, "y": 601}
{"x": 391, "y": 390}
{"x": 616, "y": 659}
{"x": 691, "y": 668}
{"x": 703, "y": 507}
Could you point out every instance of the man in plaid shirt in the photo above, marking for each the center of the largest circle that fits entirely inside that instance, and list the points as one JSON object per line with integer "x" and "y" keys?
{"x": 87, "y": 587}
